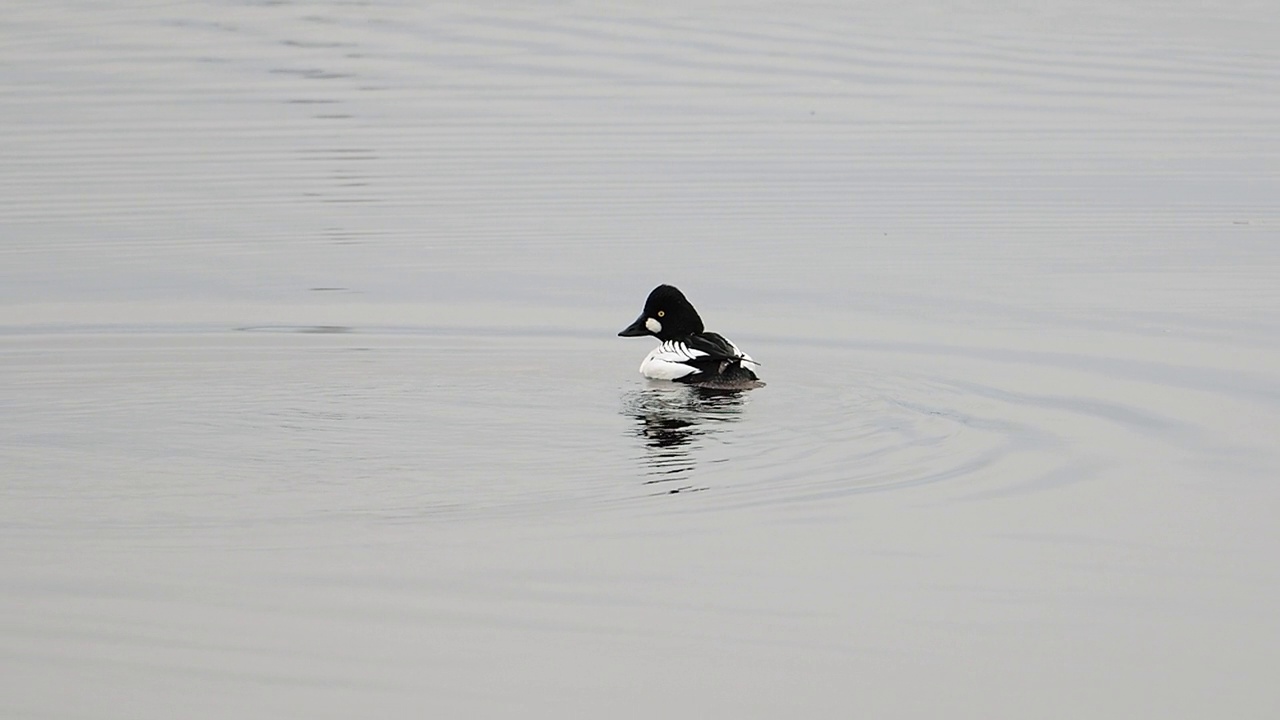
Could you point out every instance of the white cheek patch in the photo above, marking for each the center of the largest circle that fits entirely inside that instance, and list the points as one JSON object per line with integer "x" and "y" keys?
{"x": 653, "y": 325}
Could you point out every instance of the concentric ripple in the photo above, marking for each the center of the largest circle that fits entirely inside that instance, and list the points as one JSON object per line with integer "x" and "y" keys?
{"x": 975, "y": 424}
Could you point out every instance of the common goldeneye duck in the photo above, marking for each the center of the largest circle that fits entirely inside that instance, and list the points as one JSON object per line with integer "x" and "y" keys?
{"x": 688, "y": 353}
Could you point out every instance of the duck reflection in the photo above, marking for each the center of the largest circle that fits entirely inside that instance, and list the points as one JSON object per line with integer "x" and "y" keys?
{"x": 672, "y": 420}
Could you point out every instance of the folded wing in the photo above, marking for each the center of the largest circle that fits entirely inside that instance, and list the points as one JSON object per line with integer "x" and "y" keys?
{"x": 704, "y": 354}
{"x": 717, "y": 346}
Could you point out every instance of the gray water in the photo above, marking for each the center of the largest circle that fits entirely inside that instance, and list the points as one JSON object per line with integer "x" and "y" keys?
{"x": 311, "y": 403}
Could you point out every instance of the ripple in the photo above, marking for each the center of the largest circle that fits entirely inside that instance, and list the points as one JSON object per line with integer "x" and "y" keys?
{"x": 890, "y": 432}
{"x": 1012, "y": 272}
{"x": 974, "y": 426}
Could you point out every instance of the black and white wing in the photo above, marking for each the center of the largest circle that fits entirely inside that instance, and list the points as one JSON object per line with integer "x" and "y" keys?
{"x": 717, "y": 347}
{"x": 702, "y": 355}
{"x": 673, "y": 360}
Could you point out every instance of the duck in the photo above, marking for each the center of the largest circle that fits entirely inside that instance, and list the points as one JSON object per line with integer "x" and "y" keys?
{"x": 688, "y": 353}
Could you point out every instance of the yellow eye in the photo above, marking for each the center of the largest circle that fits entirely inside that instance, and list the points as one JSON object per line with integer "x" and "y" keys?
{"x": 661, "y": 313}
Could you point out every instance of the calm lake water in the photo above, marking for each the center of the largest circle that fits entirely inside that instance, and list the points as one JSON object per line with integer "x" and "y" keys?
{"x": 311, "y": 403}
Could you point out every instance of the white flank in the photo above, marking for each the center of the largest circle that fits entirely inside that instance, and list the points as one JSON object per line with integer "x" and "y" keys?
{"x": 666, "y": 362}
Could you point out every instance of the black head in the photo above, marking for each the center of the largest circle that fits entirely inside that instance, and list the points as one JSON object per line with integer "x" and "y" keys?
{"x": 667, "y": 316}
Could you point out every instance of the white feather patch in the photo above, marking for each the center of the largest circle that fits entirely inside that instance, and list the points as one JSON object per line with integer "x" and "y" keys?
{"x": 667, "y": 361}
{"x": 653, "y": 325}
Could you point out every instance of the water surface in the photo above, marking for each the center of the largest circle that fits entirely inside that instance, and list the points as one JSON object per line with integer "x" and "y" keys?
{"x": 311, "y": 403}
